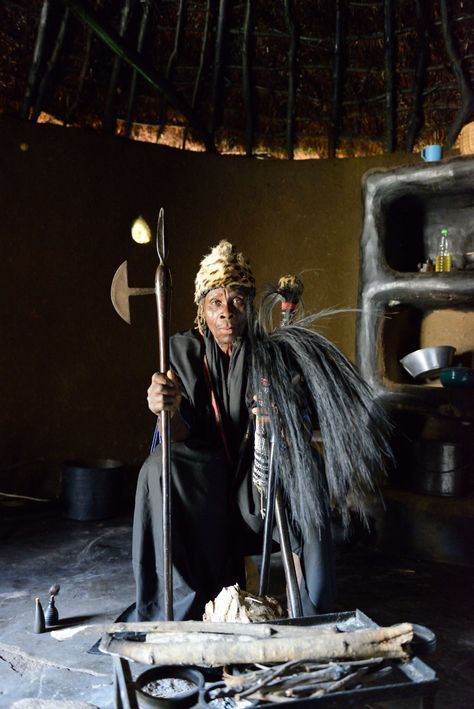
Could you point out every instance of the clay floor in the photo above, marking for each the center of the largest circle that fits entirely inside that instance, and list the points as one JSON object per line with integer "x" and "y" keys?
{"x": 91, "y": 562}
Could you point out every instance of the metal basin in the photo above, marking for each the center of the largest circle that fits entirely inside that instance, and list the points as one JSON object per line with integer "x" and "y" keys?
{"x": 427, "y": 362}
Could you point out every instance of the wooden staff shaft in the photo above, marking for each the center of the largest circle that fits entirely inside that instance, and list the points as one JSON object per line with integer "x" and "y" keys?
{"x": 163, "y": 302}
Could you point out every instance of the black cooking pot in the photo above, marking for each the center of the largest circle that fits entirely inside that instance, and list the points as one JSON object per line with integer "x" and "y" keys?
{"x": 96, "y": 489}
{"x": 441, "y": 468}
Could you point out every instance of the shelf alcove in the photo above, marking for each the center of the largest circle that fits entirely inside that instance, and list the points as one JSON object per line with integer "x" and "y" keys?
{"x": 402, "y": 309}
{"x": 412, "y": 223}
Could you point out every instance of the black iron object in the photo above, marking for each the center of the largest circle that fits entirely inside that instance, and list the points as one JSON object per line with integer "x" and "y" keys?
{"x": 163, "y": 303}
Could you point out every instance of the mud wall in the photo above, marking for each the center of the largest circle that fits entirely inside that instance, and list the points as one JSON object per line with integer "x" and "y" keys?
{"x": 74, "y": 374}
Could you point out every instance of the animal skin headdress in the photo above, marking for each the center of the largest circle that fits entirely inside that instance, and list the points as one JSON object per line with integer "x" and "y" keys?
{"x": 224, "y": 266}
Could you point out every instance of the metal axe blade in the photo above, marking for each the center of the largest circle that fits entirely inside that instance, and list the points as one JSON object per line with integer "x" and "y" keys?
{"x": 120, "y": 292}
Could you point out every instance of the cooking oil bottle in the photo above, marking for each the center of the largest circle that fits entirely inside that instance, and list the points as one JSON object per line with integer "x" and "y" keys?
{"x": 444, "y": 258}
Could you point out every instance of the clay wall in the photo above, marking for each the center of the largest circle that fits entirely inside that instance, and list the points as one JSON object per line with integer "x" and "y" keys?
{"x": 74, "y": 374}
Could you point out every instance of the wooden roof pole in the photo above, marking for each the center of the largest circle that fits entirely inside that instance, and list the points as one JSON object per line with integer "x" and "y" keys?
{"x": 292, "y": 78}
{"x": 197, "y": 81}
{"x": 338, "y": 70}
{"x": 217, "y": 73}
{"x": 390, "y": 97}
{"x": 135, "y": 60}
{"x": 466, "y": 112}
{"x": 134, "y": 79}
{"x": 109, "y": 115}
{"x": 247, "y": 77}
{"x": 422, "y": 19}
{"x": 37, "y": 58}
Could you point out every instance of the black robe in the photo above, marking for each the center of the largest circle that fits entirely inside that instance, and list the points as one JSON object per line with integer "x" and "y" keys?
{"x": 215, "y": 511}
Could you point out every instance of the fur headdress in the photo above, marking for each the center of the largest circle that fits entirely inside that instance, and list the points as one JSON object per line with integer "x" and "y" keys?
{"x": 224, "y": 266}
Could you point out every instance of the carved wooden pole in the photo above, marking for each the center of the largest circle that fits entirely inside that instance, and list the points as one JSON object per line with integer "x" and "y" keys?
{"x": 163, "y": 302}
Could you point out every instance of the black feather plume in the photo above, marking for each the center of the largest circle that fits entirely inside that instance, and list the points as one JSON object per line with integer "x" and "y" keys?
{"x": 313, "y": 384}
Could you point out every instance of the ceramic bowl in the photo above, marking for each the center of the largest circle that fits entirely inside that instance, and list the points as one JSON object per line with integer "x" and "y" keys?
{"x": 457, "y": 377}
{"x": 428, "y": 361}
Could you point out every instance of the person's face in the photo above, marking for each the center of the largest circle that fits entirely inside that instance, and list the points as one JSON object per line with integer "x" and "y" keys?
{"x": 224, "y": 310}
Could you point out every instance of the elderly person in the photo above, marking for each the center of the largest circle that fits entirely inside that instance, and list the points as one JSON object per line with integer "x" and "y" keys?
{"x": 215, "y": 515}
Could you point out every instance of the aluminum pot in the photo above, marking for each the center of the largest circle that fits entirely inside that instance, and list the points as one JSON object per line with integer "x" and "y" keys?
{"x": 427, "y": 362}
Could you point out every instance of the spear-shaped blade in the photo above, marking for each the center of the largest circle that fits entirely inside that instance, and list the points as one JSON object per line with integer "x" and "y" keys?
{"x": 163, "y": 302}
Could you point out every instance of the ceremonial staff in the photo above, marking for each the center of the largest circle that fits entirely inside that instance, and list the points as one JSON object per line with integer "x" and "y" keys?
{"x": 163, "y": 303}
{"x": 289, "y": 291}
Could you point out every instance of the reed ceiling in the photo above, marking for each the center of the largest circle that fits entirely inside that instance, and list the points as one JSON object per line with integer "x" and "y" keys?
{"x": 282, "y": 79}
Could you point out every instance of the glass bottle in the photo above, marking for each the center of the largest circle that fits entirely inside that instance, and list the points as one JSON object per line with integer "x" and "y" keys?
{"x": 444, "y": 258}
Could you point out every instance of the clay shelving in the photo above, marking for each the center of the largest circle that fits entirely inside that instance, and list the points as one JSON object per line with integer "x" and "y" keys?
{"x": 404, "y": 210}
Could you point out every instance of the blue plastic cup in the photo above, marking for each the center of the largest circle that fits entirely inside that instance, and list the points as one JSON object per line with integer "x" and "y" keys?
{"x": 432, "y": 152}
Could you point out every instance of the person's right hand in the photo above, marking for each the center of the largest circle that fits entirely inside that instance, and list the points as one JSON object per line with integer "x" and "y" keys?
{"x": 164, "y": 393}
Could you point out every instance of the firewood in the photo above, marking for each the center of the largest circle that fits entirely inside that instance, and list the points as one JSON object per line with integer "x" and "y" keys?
{"x": 260, "y": 630}
{"x": 312, "y": 644}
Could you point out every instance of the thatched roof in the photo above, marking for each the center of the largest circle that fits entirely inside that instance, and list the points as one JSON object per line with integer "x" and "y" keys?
{"x": 284, "y": 79}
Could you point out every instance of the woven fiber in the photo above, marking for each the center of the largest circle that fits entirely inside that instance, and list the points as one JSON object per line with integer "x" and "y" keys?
{"x": 466, "y": 139}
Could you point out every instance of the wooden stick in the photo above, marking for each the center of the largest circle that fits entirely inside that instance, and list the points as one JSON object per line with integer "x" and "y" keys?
{"x": 163, "y": 305}
{"x": 359, "y": 644}
{"x": 257, "y": 630}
